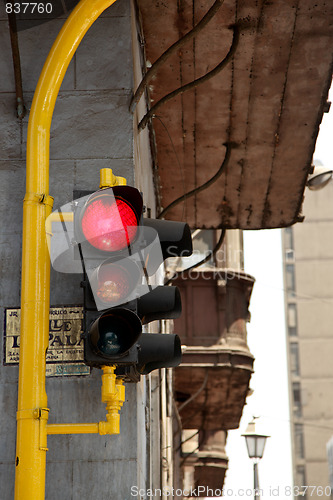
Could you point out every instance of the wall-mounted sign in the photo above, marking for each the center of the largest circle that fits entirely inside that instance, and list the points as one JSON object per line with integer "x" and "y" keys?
{"x": 65, "y": 352}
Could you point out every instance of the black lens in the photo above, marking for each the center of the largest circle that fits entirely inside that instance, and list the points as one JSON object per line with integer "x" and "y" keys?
{"x": 112, "y": 339}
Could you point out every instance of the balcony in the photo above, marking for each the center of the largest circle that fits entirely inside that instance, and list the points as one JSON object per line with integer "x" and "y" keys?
{"x": 212, "y": 382}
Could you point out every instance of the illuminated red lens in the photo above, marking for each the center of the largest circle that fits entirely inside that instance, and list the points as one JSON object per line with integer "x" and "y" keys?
{"x": 114, "y": 284}
{"x": 109, "y": 224}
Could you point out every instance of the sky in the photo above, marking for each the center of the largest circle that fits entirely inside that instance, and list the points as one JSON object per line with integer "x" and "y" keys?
{"x": 267, "y": 342}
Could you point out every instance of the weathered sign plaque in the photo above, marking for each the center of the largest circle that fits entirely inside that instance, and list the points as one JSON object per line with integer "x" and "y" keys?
{"x": 65, "y": 352}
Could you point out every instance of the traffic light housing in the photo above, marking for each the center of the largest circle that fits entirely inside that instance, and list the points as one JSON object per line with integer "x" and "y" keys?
{"x": 119, "y": 252}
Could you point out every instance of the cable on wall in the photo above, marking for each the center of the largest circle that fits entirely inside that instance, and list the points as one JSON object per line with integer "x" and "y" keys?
{"x": 194, "y": 83}
{"x": 205, "y": 185}
{"x": 177, "y": 45}
{"x": 208, "y": 257}
{"x": 20, "y": 107}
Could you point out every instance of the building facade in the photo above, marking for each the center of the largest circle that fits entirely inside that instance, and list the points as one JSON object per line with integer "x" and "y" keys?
{"x": 308, "y": 272}
{"x": 212, "y": 382}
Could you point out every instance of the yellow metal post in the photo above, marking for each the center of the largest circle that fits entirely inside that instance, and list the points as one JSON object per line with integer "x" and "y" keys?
{"x": 32, "y": 400}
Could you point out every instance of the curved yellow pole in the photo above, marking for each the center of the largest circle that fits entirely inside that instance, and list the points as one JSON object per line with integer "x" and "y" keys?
{"x": 35, "y": 292}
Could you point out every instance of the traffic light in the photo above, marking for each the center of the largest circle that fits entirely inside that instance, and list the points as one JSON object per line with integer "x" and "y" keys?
{"x": 118, "y": 251}
{"x": 108, "y": 236}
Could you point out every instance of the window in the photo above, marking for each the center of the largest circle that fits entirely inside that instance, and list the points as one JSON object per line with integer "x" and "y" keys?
{"x": 290, "y": 279}
{"x": 299, "y": 440}
{"x": 294, "y": 359}
{"x": 300, "y": 479}
{"x": 329, "y": 448}
{"x": 288, "y": 239}
{"x": 290, "y": 257}
{"x": 297, "y": 400}
{"x": 292, "y": 319}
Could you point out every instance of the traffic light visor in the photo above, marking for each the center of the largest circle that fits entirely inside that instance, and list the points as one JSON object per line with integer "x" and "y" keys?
{"x": 158, "y": 350}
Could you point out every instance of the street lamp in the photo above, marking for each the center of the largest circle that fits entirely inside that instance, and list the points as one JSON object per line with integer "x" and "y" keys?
{"x": 255, "y": 443}
{"x": 320, "y": 177}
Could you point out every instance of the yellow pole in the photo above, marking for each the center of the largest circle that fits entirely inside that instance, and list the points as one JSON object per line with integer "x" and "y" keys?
{"x": 32, "y": 411}
{"x": 113, "y": 394}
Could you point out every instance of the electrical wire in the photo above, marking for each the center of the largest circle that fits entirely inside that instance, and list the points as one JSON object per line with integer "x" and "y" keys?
{"x": 301, "y": 421}
{"x": 20, "y": 106}
{"x": 177, "y": 45}
{"x": 203, "y": 186}
{"x": 208, "y": 257}
{"x": 295, "y": 294}
{"x": 186, "y": 440}
{"x": 194, "y": 83}
{"x": 202, "y": 426}
{"x": 191, "y": 398}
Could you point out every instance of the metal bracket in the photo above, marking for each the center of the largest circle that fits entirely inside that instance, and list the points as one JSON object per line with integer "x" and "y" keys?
{"x": 41, "y": 414}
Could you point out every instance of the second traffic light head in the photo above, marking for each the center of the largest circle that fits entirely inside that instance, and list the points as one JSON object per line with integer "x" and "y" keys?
{"x": 158, "y": 350}
{"x": 164, "y": 302}
{"x": 175, "y": 237}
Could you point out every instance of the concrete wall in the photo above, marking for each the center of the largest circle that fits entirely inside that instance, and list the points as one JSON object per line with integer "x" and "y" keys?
{"x": 91, "y": 129}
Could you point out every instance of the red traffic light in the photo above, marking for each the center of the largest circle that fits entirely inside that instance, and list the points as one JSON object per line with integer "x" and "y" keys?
{"x": 109, "y": 219}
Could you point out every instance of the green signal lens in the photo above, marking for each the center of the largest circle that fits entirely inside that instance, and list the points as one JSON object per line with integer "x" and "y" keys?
{"x": 112, "y": 339}
{"x": 114, "y": 333}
